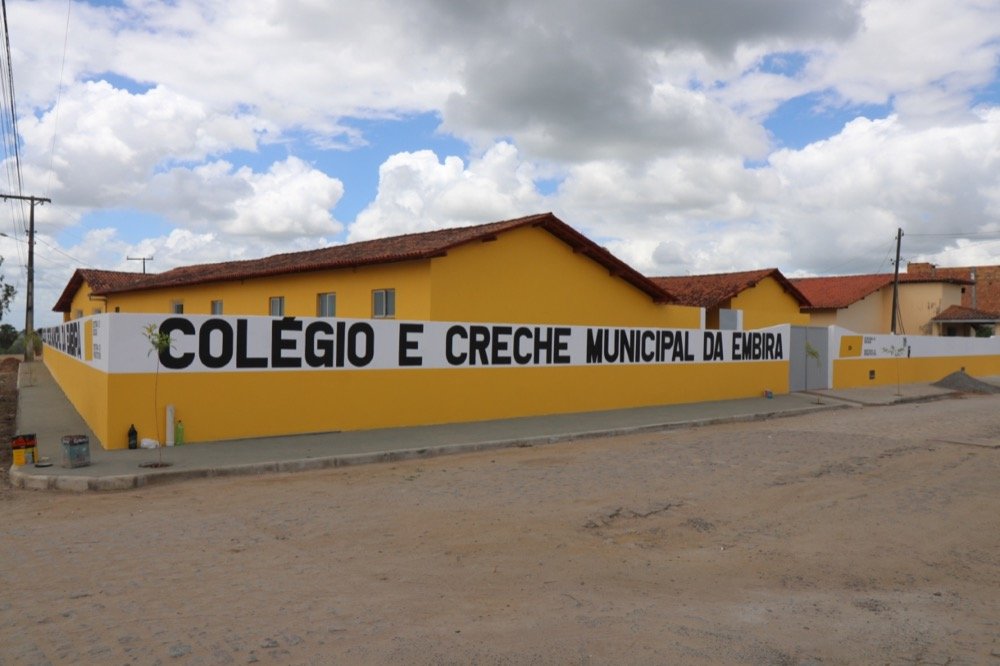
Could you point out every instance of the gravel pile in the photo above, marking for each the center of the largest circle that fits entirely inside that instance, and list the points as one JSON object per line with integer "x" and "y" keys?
{"x": 959, "y": 381}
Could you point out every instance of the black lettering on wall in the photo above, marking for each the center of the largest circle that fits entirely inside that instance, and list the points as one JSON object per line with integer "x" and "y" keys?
{"x": 406, "y": 345}
{"x": 169, "y": 327}
{"x": 225, "y": 331}
{"x": 280, "y": 344}
{"x": 319, "y": 345}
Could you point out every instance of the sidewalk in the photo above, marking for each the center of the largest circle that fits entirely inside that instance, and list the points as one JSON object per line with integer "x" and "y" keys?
{"x": 44, "y": 410}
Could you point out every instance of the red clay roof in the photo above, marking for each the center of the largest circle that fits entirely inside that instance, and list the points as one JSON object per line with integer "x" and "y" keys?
{"x": 100, "y": 282}
{"x": 425, "y": 245}
{"x": 960, "y": 313}
{"x": 709, "y": 291}
{"x": 840, "y": 291}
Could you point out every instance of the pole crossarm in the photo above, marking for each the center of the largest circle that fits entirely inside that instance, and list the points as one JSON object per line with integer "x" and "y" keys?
{"x": 21, "y": 197}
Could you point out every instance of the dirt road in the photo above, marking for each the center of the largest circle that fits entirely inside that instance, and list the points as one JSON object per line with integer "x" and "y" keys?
{"x": 842, "y": 537}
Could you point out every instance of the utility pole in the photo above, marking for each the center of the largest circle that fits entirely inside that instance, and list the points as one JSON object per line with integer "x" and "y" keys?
{"x": 143, "y": 260}
{"x": 29, "y": 306}
{"x": 895, "y": 282}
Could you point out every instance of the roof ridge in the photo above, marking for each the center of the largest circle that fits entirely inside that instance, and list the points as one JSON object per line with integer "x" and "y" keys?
{"x": 403, "y": 247}
{"x": 472, "y": 228}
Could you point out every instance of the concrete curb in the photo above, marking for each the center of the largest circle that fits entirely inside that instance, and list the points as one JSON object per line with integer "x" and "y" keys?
{"x": 894, "y": 400}
{"x": 21, "y": 478}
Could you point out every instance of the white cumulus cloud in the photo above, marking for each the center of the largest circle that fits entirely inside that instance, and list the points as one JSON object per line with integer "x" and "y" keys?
{"x": 418, "y": 192}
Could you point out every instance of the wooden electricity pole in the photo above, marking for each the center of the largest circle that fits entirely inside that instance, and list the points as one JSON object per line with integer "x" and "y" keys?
{"x": 29, "y": 306}
{"x": 895, "y": 282}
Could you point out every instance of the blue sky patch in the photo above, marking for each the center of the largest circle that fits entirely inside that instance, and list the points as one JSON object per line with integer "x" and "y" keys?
{"x": 809, "y": 118}
{"x": 358, "y": 168}
{"x": 122, "y": 82}
{"x": 785, "y": 63}
{"x": 131, "y": 226}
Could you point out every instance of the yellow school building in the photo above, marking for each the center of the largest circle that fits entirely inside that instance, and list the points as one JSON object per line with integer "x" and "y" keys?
{"x": 514, "y": 318}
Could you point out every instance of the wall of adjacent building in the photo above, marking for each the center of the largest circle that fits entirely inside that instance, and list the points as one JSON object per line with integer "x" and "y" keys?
{"x": 863, "y": 315}
{"x": 919, "y": 303}
{"x": 768, "y": 304}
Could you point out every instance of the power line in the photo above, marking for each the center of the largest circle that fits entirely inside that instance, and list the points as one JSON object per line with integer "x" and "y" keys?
{"x": 55, "y": 110}
{"x": 53, "y": 247}
{"x": 9, "y": 92}
{"x": 8, "y": 130}
{"x": 855, "y": 260}
{"x": 959, "y": 234}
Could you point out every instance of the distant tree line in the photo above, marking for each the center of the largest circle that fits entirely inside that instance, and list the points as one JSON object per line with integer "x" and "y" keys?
{"x": 9, "y": 336}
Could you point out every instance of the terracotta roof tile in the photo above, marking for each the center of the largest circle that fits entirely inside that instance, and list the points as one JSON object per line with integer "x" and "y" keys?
{"x": 407, "y": 247}
{"x": 840, "y": 291}
{"x": 960, "y": 313}
{"x": 100, "y": 281}
{"x": 711, "y": 290}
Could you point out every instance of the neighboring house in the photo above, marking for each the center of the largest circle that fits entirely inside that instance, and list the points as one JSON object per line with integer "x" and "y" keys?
{"x": 984, "y": 292}
{"x": 863, "y": 303}
{"x": 764, "y": 297}
{"x": 534, "y": 269}
{"x": 965, "y": 322}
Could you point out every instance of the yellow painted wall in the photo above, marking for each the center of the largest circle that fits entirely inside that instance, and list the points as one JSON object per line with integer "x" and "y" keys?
{"x": 353, "y": 287}
{"x": 823, "y": 318}
{"x": 217, "y": 406}
{"x": 768, "y": 304}
{"x": 84, "y": 305}
{"x": 852, "y": 373}
{"x": 86, "y": 388}
{"x": 528, "y": 275}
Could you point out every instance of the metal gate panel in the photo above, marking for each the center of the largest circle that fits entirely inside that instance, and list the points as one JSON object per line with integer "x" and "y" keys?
{"x": 809, "y": 358}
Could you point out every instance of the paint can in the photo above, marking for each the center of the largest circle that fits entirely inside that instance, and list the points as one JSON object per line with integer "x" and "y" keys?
{"x": 17, "y": 449}
{"x": 30, "y": 448}
{"x": 75, "y": 451}
{"x": 25, "y": 449}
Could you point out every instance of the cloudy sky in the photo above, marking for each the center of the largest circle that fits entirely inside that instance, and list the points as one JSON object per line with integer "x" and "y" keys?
{"x": 687, "y": 137}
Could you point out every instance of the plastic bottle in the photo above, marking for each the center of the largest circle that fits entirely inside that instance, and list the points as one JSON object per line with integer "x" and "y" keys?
{"x": 179, "y": 433}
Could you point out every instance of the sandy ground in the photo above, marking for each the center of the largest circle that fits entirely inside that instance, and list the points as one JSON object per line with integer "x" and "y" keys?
{"x": 847, "y": 537}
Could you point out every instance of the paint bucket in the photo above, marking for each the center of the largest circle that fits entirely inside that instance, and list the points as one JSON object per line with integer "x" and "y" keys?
{"x": 30, "y": 448}
{"x": 17, "y": 449}
{"x": 75, "y": 451}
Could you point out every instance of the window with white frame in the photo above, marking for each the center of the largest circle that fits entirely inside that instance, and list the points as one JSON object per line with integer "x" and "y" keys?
{"x": 217, "y": 307}
{"x": 384, "y": 303}
{"x": 277, "y": 306}
{"x": 326, "y": 304}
